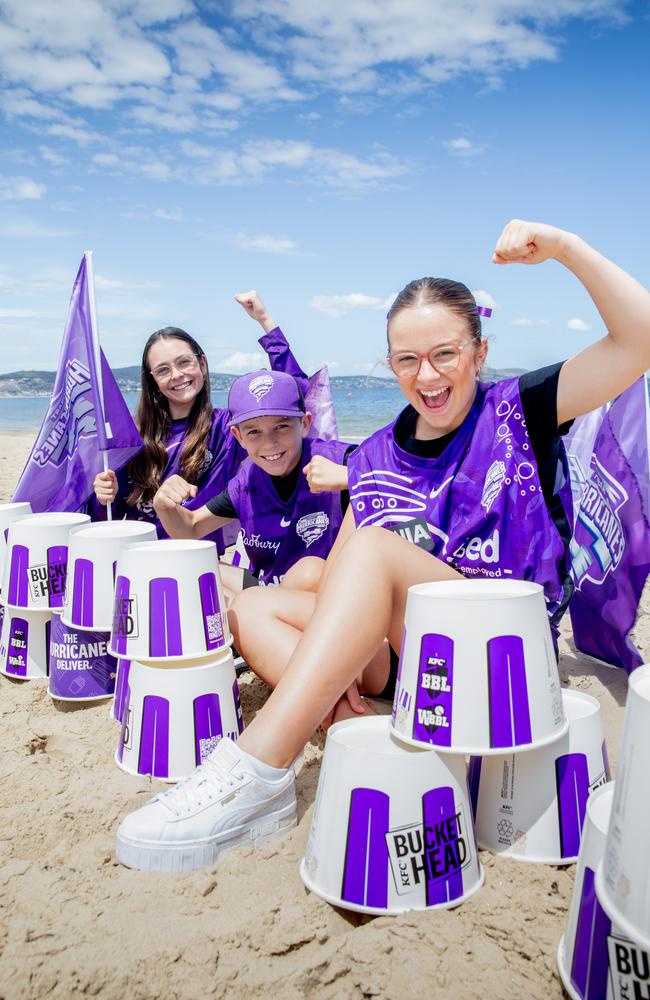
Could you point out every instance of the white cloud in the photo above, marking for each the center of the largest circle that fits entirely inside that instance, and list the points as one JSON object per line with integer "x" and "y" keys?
{"x": 30, "y": 229}
{"x": 120, "y": 284}
{"x": 338, "y": 305}
{"x": 20, "y": 189}
{"x": 240, "y": 361}
{"x": 484, "y": 298}
{"x": 265, "y": 243}
{"x": 169, "y": 214}
{"x": 463, "y": 147}
{"x": 526, "y": 321}
{"x": 51, "y": 156}
{"x": 579, "y": 325}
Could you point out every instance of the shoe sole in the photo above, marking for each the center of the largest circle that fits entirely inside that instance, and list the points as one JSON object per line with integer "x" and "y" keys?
{"x": 189, "y": 857}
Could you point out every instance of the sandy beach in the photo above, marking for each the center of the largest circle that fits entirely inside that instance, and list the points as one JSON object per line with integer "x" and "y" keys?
{"x": 76, "y": 923}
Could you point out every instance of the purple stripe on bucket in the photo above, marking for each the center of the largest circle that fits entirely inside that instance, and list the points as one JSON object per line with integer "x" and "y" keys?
{"x": 121, "y": 687}
{"x": 124, "y": 731}
{"x": 18, "y": 584}
{"x": 48, "y": 633}
{"x": 164, "y": 618}
{"x": 572, "y": 782}
{"x": 208, "y": 727}
{"x": 608, "y": 773}
{"x": 508, "y": 692}
{"x": 445, "y": 849}
{"x": 18, "y": 646}
{"x": 57, "y": 569}
{"x": 153, "y": 757}
{"x": 121, "y": 616}
{"x": 212, "y": 627}
{"x": 365, "y": 871}
{"x": 474, "y": 779}
{"x": 590, "y": 960}
{"x": 238, "y": 711}
{"x": 236, "y": 559}
{"x": 82, "y": 594}
{"x": 432, "y": 718}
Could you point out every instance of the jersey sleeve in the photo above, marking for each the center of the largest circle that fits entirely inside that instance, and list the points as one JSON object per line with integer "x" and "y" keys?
{"x": 282, "y": 358}
{"x": 222, "y": 505}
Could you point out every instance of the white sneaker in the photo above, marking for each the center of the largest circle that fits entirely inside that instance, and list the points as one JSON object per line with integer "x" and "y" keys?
{"x": 223, "y": 804}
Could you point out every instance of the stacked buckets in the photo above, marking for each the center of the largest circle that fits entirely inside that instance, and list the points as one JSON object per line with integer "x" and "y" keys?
{"x": 478, "y": 677}
{"x": 81, "y": 667}
{"x": 35, "y": 551}
{"x": 179, "y": 694}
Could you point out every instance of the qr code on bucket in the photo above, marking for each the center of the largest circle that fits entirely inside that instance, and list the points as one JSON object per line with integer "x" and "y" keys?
{"x": 207, "y": 745}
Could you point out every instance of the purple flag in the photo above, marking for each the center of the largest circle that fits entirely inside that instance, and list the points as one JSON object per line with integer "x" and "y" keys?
{"x": 610, "y": 548}
{"x": 78, "y": 425}
{"x": 319, "y": 399}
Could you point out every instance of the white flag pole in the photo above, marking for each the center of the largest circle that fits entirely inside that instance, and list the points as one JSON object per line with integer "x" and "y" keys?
{"x": 90, "y": 275}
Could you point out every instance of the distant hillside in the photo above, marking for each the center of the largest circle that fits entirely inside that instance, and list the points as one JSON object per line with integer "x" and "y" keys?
{"x": 39, "y": 383}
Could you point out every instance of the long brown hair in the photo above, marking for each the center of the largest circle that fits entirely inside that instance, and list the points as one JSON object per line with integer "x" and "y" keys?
{"x": 154, "y": 423}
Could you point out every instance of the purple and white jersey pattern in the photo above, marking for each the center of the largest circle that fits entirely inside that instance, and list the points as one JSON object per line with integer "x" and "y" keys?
{"x": 479, "y": 506}
{"x": 278, "y": 533}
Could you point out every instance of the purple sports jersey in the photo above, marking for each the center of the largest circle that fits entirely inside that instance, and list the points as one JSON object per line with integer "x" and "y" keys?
{"x": 223, "y": 456}
{"x": 278, "y": 533}
{"x": 479, "y": 506}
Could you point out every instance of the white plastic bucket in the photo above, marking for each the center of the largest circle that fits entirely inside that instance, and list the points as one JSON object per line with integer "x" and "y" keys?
{"x": 81, "y": 668}
{"x": 36, "y": 564}
{"x": 9, "y": 512}
{"x": 25, "y": 644}
{"x": 169, "y": 602}
{"x": 174, "y": 715}
{"x": 477, "y": 672}
{"x": 623, "y": 877}
{"x": 595, "y": 960}
{"x": 392, "y": 827}
{"x": 92, "y": 558}
{"x": 121, "y": 684}
{"x": 531, "y": 806}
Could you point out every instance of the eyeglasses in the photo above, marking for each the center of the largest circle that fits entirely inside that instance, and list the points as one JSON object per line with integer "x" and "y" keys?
{"x": 186, "y": 363}
{"x": 407, "y": 364}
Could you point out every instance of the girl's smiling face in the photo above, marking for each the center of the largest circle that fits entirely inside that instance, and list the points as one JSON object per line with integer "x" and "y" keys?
{"x": 177, "y": 372}
{"x": 442, "y": 401}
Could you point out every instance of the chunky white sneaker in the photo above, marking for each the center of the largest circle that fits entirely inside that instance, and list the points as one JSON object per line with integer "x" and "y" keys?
{"x": 223, "y": 804}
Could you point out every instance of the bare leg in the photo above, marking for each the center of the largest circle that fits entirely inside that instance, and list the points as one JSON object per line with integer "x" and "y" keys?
{"x": 305, "y": 574}
{"x": 361, "y": 602}
{"x": 232, "y": 579}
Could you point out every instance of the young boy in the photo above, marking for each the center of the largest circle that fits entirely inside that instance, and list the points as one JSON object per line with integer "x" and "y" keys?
{"x": 276, "y": 495}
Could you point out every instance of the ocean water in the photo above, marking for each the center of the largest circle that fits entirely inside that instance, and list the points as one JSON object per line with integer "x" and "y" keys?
{"x": 359, "y": 410}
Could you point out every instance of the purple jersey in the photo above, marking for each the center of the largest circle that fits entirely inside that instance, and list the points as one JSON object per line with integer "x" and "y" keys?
{"x": 278, "y": 533}
{"x": 479, "y": 506}
{"x": 223, "y": 456}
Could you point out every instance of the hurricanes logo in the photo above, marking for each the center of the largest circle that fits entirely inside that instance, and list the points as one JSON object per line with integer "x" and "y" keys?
{"x": 71, "y": 417}
{"x": 259, "y": 386}
{"x": 598, "y": 542}
{"x": 312, "y": 526}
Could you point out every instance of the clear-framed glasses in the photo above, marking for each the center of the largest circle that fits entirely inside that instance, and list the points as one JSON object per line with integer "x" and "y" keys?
{"x": 407, "y": 364}
{"x": 183, "y": 364}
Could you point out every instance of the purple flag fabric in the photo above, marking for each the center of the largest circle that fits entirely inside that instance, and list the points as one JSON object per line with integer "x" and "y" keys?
{"x": 610, "y": 550}
{"x": 66, "y": 455}
{"x": 319, "y": 400}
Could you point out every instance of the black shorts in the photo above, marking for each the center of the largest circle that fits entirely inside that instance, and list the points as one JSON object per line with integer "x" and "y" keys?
{"x": 389, "y": 690}
{"x": 249, "y": 580}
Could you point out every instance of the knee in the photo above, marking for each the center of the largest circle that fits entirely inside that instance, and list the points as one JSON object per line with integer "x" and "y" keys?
{"x": 246, "y": 608}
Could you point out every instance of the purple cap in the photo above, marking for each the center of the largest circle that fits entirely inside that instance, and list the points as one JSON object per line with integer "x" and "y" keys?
{"x": 265, "y": 394}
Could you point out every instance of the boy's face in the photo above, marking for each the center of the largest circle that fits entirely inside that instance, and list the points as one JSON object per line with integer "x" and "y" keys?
{"x": 273, "y": 443}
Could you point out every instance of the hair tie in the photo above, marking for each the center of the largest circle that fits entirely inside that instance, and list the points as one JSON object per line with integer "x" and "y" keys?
{"x": 484, "y": 311}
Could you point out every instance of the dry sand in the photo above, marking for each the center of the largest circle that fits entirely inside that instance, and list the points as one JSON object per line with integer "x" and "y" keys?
{"x": 76, "y": 923}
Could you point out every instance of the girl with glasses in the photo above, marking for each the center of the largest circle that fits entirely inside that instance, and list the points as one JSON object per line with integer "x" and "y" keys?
{"x": 463, "y": 481}
{"x": 182, "y": 433}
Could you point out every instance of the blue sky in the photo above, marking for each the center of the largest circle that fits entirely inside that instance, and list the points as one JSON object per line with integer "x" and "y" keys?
{"x": 324, "y": 154}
